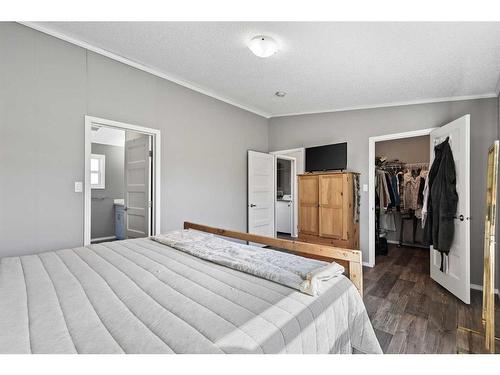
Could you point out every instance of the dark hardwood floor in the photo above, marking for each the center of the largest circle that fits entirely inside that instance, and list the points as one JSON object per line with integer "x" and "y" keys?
{"x": 411, "y": 313}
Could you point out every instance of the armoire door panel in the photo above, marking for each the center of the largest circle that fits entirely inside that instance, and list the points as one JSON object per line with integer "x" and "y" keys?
{"x": 331, "y": 205}
{"x": 308, "y": 192}
{"x": 331, "y": 190}
{"x": 309, "y": 220}
{"x": 330, "y": 222}
{"x": 308, "y": 204}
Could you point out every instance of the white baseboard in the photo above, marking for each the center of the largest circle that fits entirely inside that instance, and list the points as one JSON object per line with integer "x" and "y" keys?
{"x": 368, "y": 264}
{"x": 480, "y": 287}
{"x": 102, "y": 238}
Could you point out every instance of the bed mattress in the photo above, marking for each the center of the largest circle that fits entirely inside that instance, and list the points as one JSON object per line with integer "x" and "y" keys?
{"x": 139, "y": 296}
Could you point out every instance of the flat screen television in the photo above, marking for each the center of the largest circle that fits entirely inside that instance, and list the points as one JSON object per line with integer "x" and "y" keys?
{"x": 326, "y": 158}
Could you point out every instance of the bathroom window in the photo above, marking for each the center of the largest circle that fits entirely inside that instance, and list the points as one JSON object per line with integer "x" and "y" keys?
{"x": 97, "y": 171}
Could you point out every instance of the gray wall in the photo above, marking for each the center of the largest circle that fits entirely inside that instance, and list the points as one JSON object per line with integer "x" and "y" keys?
{"x": 46, "y": 88}
{"x": 408, "y": 150}
{"x": 355, "y": 127}
{"x": 103, "y": 213}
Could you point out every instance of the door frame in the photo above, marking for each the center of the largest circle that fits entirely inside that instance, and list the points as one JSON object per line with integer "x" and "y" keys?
{"x": 302, "y": 151}
{"x": 371, "y": 182}
{"x": 293, "y": 185}
{"x": 156, "y": 175}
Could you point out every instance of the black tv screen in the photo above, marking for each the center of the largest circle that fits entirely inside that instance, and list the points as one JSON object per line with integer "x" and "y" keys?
{"x": 326, "y": 158}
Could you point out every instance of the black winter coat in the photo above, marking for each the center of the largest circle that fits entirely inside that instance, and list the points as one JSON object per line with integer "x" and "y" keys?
{"x": 443, "y": 199}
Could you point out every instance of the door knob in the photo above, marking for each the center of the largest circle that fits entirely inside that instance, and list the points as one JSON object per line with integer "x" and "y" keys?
{"x": 253, "y": 205}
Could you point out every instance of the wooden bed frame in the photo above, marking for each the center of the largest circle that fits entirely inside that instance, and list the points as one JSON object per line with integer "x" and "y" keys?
{"x": 350, "y": 259}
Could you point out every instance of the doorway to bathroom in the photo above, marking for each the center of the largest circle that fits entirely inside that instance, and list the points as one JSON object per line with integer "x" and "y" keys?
{"x": 121, "y": 181}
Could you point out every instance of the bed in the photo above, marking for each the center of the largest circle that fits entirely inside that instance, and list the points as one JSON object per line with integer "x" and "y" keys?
{"x": 140, "y": 296}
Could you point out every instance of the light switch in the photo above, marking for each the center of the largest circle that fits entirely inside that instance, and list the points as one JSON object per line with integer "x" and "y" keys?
{"x": 365, "y": 187}
{"x": 78, "y": 186}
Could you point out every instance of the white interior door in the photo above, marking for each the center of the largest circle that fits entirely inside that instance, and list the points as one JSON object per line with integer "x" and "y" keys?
{"x": 137, "y": 185}
{"x": 261, "y": 193}
{"x": 457, "y": 279}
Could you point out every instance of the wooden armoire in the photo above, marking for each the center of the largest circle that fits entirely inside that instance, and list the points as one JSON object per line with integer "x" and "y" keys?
{"x": 326, "y": 209}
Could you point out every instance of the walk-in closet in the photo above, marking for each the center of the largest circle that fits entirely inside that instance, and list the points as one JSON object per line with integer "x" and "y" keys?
{"x": 401, "y": 169}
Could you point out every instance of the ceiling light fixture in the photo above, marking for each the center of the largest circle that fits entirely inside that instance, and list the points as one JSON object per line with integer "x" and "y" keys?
{"x": 280, "y": 94}
{"x": 263, "y": 46}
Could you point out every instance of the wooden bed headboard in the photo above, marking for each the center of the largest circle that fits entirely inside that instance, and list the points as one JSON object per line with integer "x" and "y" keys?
{"x": 350, "y": 259}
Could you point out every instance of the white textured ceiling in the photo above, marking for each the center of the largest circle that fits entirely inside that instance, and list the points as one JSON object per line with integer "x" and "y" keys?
{"x": 321, "y": 66}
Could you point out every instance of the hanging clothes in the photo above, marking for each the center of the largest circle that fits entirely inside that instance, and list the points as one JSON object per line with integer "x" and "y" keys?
{"x": 420, "y": 199}
{"x": 392, "y": 199}
{"x": 395, "y": 190}
{"x": 411, "y": 188}
{"x": 423, "y": 182}
{"x": 425, "y": 202}
{"x": 442, "y": 201}
{"x": 401, "y": 185}
{"x": 382, "y": 190}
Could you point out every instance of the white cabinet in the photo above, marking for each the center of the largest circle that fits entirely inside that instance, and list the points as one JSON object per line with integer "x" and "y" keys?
{"x": 283, "y": 216}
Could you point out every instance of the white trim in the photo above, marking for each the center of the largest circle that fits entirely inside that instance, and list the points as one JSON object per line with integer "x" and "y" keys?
{"x": 371, "y": 181}
{"x": 294, "y": 184}
{"x": 280, "y": 152}
{"x": 89, "y": 120}
{"x": 137, "y": 65}
{"x": 368, "y": 264}
{"x": 208, "y": 92}
{"x": 392, "y": 104}
{"x": 102, "y": 238}
{"x": 302, "y": 150}
{"x": 480, "y": 287}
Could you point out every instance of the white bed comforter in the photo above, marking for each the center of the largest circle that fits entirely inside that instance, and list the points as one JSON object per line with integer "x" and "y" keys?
{"x": 304, "y": 274}
{"x": 139, "y": 296}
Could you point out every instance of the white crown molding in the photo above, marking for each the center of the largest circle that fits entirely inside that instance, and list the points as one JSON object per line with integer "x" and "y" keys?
{"x": 137, "y": 65}
{"x": 393, "y": 104}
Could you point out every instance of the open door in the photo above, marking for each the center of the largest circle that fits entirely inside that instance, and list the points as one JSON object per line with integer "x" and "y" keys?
{"x": 261, "y": 193}
{"x": 137, "y": 185}
{"x": 457, "y": 278}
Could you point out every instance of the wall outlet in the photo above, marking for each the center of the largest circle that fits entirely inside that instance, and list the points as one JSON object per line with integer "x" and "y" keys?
{"x": 78, "y": 186}
{"x": 365, "y": 187}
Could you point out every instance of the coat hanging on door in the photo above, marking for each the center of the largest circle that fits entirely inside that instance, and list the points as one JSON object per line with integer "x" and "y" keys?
{"x": 442, "y": 200}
